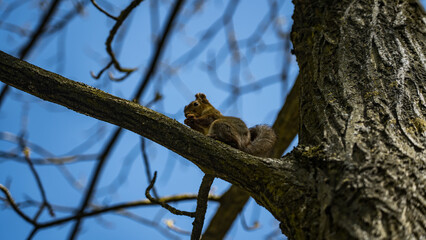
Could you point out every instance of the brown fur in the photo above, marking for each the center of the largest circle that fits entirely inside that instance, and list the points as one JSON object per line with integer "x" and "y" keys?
{"x": 203, "y": 117}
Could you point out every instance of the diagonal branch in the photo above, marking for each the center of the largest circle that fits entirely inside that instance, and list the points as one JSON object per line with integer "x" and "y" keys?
{"x": 120, "y": 19}
{"x": 123, "y": 113}
{"x": 261, "y": 177}
{"x": 102, "y": 10}
{"x": 163, "y": 204}
{"x": 26, "y": 151}
{"x": 97, "y": 210}
{"x": 15, "y": 207}
{"x": 200, "y": 212}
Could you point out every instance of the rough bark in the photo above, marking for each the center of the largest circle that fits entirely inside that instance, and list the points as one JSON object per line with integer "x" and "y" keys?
{"x": 363, "y": 71}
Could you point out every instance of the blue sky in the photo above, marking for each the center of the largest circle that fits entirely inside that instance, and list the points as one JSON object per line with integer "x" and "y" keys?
{"x": 78, "y": 50}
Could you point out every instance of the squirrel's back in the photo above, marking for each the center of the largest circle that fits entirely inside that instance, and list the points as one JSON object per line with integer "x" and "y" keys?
{"x": 203, "y": 117}
{"x": 263, "y": 139}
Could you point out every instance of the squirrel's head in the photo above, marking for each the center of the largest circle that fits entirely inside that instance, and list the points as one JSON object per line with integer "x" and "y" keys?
{"x": 197, "y": 107}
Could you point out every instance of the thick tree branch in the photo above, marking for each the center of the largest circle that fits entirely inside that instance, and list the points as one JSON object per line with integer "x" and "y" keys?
{"x": 259, "y": 176}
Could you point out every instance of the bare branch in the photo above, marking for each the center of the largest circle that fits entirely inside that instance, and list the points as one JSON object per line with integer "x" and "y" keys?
{"x": 102, "y": 10}
{"x": 49, "y": 160}
{"x": 97, "y": 76}
{"x": 39, "y": 184}
{"x": 253, "y": 175}
{"x": 15, "y": 207}
{"x": 97, "y": 209}
{"x": 147, "y": 165}
{"x": 246, "y": 227}
{"x": 170, "y": 223}
{"x": 123, "y": 15}
{"x": 163, "y": 230}
{"x": 200, "y": 212}
{"x": 163, "y": 204}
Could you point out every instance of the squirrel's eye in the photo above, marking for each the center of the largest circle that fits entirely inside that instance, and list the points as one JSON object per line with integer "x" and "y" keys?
{"x": 196, "y": 104}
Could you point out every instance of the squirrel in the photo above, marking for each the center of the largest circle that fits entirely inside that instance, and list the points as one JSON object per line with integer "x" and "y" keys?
{"x": 201, "y": 116}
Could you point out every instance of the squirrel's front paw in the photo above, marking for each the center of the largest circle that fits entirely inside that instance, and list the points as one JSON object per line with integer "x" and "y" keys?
{"x": 189, "y": 121}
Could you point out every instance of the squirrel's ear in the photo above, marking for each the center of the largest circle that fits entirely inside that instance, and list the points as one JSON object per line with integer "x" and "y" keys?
{"x": 201, "y": 96}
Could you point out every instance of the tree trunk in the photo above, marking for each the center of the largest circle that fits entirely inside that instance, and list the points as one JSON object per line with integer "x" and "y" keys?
{"x": 363, "y": 71}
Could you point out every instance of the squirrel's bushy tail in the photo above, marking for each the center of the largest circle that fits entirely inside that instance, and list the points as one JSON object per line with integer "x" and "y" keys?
{"x": 262, "y": 140}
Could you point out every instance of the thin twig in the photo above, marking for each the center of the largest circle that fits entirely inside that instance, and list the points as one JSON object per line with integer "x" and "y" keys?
{"x": 246, "y": 227}
{"x": 97, "y": 76}
{"x": 163, "y": 204}
{"x": 26, "y": 151}
{"x": 123, "y": 15}
{"x": 103, "y": 11}
{"x": 118, "y": 79}
{"x": 170, "y": 223}
{"x": 147, "y": 165}
{"x": 118, "y": 207}
{"x": 47, "y": 160}
{"x": 155, "y": 224}
{"x": 100, "y": 209}
{"x": 15, "y": 207}
{"x": 32, "y": 233}
{"x": 200, "y": 212}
